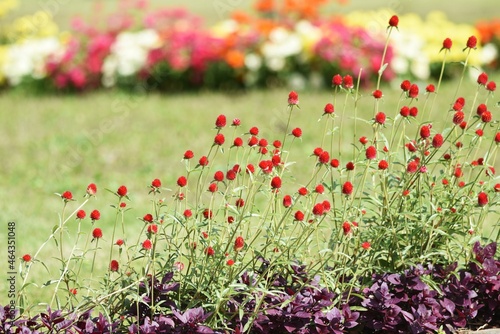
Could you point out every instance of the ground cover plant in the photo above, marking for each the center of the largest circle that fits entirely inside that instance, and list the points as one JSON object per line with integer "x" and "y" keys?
{"x": 238, "y": 241}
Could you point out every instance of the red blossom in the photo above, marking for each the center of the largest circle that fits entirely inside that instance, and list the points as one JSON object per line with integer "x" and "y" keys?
{"x": 187, "y": 213}
{"x": 412, "y": 167}
{"x": 236, "y": 122}
{"x": 253, "y": 141}
{"x": 363, "y": 140}
{"x": 472, "y": 42}
{"x": 156, "y": 183}
{"x": 458, "y": 117}
{"x": 347, "y": 82}
{"x": 230, "y": 262}
{"x": 297, "y": 132}
{"x": 277, "y": 144}
{"x": 287, "y": 201}
{"x": 26, "y": 258}
{"x": 346, "y": 227}
{"x": 67, "y": 196}
{"x": 413, "y": 111}
{"x": 240, "y": 203}
{"x": 371, "y": 153}
{"x": 91, "y": 189}
{"x": 212, "y": 187}
{"x": 497, "y": 138}
{"x": 447, "y": 43}
{"x": 329, "y": 109}
{"x": 486, "y": 117}
{"x": 250, "y": 169}
{"x": 383, "y": 164}
{"x": 394, "y": 21}
{"x": 337, "y": 80}
{"x": 318, "y": 209}
{"x": 97, "y": 233}
{"x": 324, "y": 157}
{"x": 182, "y": 181}
{"x": 479, "y": 132}
{"x": 238, "y": 142}
{"x": 122, "y": 191}
{"x": 405, "y": 85}
{"x": 203, "y": 161}
{"x": 119, "y": 242}
{"x": 334, "y": 163}
{"x": 482, "y": 79}
{"x": 380, "y": 118}
{"x": 188, "y": 155}
{"x": 95, "y": 215}
{"x": 209, "y": 251}
{"x": 219, "y": 139}
{"x": 152, "y": 228}
{"x": 113, "y": 265}
{"x": 491, "y": 86}
{"x": 220, "y": 122}
{"x": 231, "y": 174}
{"x": 147, "y": 244}
{"x": 80, "y": 214}
{"x": 254, "y": 131}
{"x": 437, "y": 141}
{"x": 481, "y": 108}
{"x": 413, "y": 92}
{"x": 482, "y": 199}
{"x": 377, "y": 94}
{"x": 148, "y": 218}
{"x": 207, "y": 214}
{"x": 239, "y": 243}
{"x": 347, "y": 188}
{"x": 299, "y": 216}
{"x": 319, "y": 189}
{"x": 366, "y": 245}
{"x": 425, "y": 131}
{"x": 293, "y": 98}
{"x": 349, "y": 165}
{"x": 405, "y": 111}
{"x": 276, "y": 182}
{"x": 430, "y": 88}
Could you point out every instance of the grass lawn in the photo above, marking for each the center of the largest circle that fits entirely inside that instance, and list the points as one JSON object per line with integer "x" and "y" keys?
{"x": 49, "y": 144}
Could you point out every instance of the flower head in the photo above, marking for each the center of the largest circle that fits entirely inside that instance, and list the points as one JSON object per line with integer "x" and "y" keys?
{"x": 113, "y": 265}
{"x": 371, "y": 153}
{"x": 97, "y": 233}
{"x": 293, "y": 98}
{"x": 147, "y": 244}
{"x": 447, "y": 43}
{"x": 347, "y": 188}
{"x": 471, "y": 42}
{"x": 188, "y": 155}
{"x": 91, "y": 189}
{"x": 26, "y": 258}
{"x": 482, "y": 199}
{"x": 276, "y": 182}
{"x": 67, "y": 196}
{"x": 220, "y": 122}
{"x": 380, "y": 118}
{"x": 80, "y": 214}
{"x": 122, "y": 191}
{"x": 239, "y": 243}
{"x": 95, "y": 215}
{"x": 329, "y": 109}
{"x": 394, "y": 21}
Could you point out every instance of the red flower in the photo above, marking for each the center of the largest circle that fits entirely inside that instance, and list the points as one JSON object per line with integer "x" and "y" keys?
{"x": 411, "y": 146}
{"x": 413, "y": 111}
{"x": 326, "y": 206}
{"x": 80, "y": 214}
{"x": 156, "y": 183}
{"x": 377, "y": 94}
{"x": 437, "y": 141}
{"x": 297, "y": 132}
{"x": 303, "y": 191}
{"x": 230, "y": 262}
{"x": 147, "y": 244}
{"x": 253, "y": 141}
{"x": 337, "y": 80}
{"x": 119, "y": 242}
{"x": 231, "y": 175}
{"x": 405, "y": 111}
{"x": 481, "y": 108}
{"x": 371, "y": 153}
{"x": 430, "y": 88}
{"x": 413, "y": 92}
{"x": 319, "y": 189}
{"x": 346, "y": 227}
{"x": 447, "y": 43}
{"x": 95, "y": 215}
{"x": 472, "y": 42}
{"x": 254, "y": 131}
{"x": 230, "y": 219}
{"x": 497, "y": 138}
{"x": 203, "y": 161}
{"x": 324, "y": 157}
{"x": 394, "y": 21}
{"x": 334, "y": 163}
{"x": 482, "y": 79}
{"x": 236, "y": 122}
{"x": 204, "y": 235}
{"x": 318, "y": 209}
{"x": 250, "y": 169}
{"x": 412, "y": 167}
{"x": 188, "y": 154}
{"x": 240, "y": 203}
{"x": 67, "y": 196}
{"x": 148, "y": 218}
{"x": 287, "y": 201}
{"x": 239, "y": 243}
{"x": 349, "y": 165}
{"x": 219, "y": 139}
{"x": 123, "y": 205}
{"x": 348, "y": 82}
{"x": 383, "y": 165}
{"x": 482, "y": 199}
{"x": 113, "y": 265}
{"x": 425, "y": 131}
{"x": 209, "y": 251}
{"x": 153, "y": 228}
{"x": 26, "y": 258}
{"x": 458, "y": 117}
{"x": 277, "y": 144}
{"x": 317, "y": 151}
{"x": 363, "y": 140}
{"x": 73, "y": 291}
{"x": 486, "y": 117}
{"x": 97, "y": 233}
{"x": 491, "y": 86}
{"x": 238, "y": 142}
{"x": 366, "y": 245}
{"x": 91, "y": 189}
{"x": 463, "y": 125}
{"x": 329, "y": 109}
{"x": 405, "y": 85}
{"x": 207, "y": 214}
{"x": 347, "y": 188}
{"x": 479, "y": 132}
{"x": 458, "y": 172}
{"x": 187, "y": 213}
{"x": 299, "y": 216}
{"x": 182, "y": 181}
{"x": 263, "y": 142}
{"x": 406, "y": 192}
{"x": 122, "y": 191}
{"x": 212, "y": 187}
{"x": 220, "y": 122}
{"x": 219, "y": 176}
{"x": 497, "y": 187}
{"x": 380, "y": 118}
{"x": 293, "y": 98}
{"x": 276, "y": 182}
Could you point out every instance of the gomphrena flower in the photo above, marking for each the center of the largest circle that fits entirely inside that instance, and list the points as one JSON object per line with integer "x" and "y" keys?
{"x": 219, "y": 139}
{"x": 287, "y": 201}
{"x": 437, "y": 141}
{"x": 482, "y": 79}
{"x": 188, "y": 155}
{"x": 156, "y": 183}
{"x": 220, "y": 122}
{"x": 26, "y": 258}
{"x": 95, "y": 215}
{"x": 113, "y": 265}
{"x": 91, "y": 189}
{"x": 471, "y": 42}
{"x": 80, "y": 214}
{"x": 122, "y": 191}
{"x": 371, "y": 153}
{"x": 147, "y": 244}
{"x": 297, "y": 132}
{"x": 293, "y": 98}
{"x": 337, "y": 80}
{"x": 347, "y": 188}
{"x": 377, "y": 94}
{"x": 447, "y": 43}
{"x": 239, "y": 243}
{"x": 329, "y": 109}
{"x": 97, "y": 233}
{"x": 394, "y": 21}
{"x": 276, "y": 182}
{"x": 67, "y": 196}
{"x": 380, "y": 118}
{"x": 482, "y": 199}
{"x": 182, "y": 181}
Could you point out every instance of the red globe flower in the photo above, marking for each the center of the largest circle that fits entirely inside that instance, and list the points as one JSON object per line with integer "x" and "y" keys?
{"x": 276, "y": 182}
{"x": 80, "y": 214}
{"x": 26, "y": 258}
{"x": 156, "y": 183}
{"x": 366, "y": 245}
{"x": 405, "y": 85}
{"x": 91, "y": 189}
{"x": 240, "y": 203}
{"x": 207, "y": 214}
{"x": 253, "y": 141}
{"x": 348, "y": 82}
{"x": 318, "y": 209}
{"x": 491, "y": 86}
{"x": 371, "y": 153}
{"x": 497, "y": 138}
{"x": 425, "y": 131}
{"x": 238, "y": 142}
{"x": 231, "y": 174}
{"x": 346, "y": 227}
{"x": 481, "y": 108}
{"x": 97, "y": 233}
{"x": 122, "y": 191}
{"x": 212, "y": 187}
{"x": 324, "y": 157}
{"x": 329, "y": 109}
{"x": 334, "y": 163}
{"x": 347, "y": 188}
{"x": 337, "y": 80}
{"x": 188, "y": 213}
{"x": 458, "y": 117}
{"x": 293, "y": 98}
{"x": 188, "y": 155}
{"x": 147, "y": 244}
{"x": 230, "y": 262}
{"x": 413, "y": 92}
{"x": 479, "y": 132}
{"x": 236, "y": 122}
{"x": 437, "y": 141}
{"x": 382, "y": 165}
{"x": 218, "y": 176}
{"x": 317, "y": 151}
{"x": 482, "y": 199}
{"x": 377, "y": 94}
{"x": 394, "y": 21}
{"x": 250, "y": 169}
{"x": 363, "y": 140}
{"x": 203, "y": 161}
{"x": 349, "y": 165}
{"x": 299, "y": 216}
{"x": 405, "y": 111}
{"x": 287, "y": 201}
{"x": 219, "y": 139}
{"x": 152, "y": 228}
{"x": 220, "y": 122}
{"x": 319, "y": 189}
{"x": 297, "y": 132}
{"x": 380, "y": 118}
{"x": 302, "y": 191}
{"x": 254, "y": 131}
{"x": 95, "y": 215}
{"x": 209, "y": 251}
{"x": 148, "y": 218}
{"x": 482, "y": 79}
{"x": 113, "y": 265}
{"x": 472, "y": 42}
{"x": 182, "y": 181}
{"x": 119, "y": 242}
{"x": 486, "y": 117}
{"x": 239, "y": 243}
{"x": 412, "y": 167}
{"x": 67, "y": 196}
{"x": 430, "y": 88}
{"x": 413, "y": 111}
{"x": 447, "y": 43}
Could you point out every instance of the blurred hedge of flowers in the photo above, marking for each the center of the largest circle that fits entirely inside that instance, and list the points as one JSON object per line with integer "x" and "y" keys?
{"x": 286, "y": 43}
